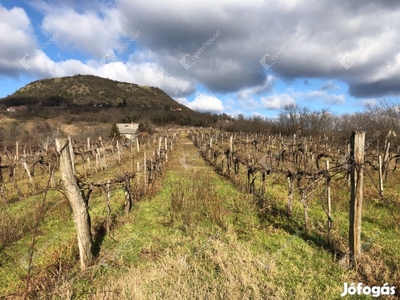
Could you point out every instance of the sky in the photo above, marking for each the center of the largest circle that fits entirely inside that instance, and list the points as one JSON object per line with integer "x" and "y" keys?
{"x": 222, "y": 56}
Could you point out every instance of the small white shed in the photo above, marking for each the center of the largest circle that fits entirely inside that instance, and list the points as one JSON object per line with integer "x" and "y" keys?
{"x": 128, "y": 129}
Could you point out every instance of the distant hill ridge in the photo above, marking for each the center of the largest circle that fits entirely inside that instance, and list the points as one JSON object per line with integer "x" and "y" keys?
{"x": 90, "y": 90}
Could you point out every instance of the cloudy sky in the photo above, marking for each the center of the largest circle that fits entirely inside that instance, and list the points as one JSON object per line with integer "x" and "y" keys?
{"x": 250, "y": 57}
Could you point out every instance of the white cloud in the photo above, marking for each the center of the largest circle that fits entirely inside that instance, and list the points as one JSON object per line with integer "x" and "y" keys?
{"x": 92, "y": 32}
{"x": 16, "y": 39}
{"x": 206, "y": 103}
{"x": 266, "y": 86}
{"x": 325, "y": 97}
{"x": 249, "y": 103}
{"x": 182, "y": 100}
{"x": 277, "y": 101}
{"x": 370, "y": 102}
{"x": 149, "y": 74}
{"x": 249, "y": 30}
{"x": 335, "y": 99}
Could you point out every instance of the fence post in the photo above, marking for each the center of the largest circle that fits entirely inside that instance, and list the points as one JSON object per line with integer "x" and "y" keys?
{"x": 78, "y": 204}
{"x": 108, "y": 195}
{"x": 128, "y": 196}
{"x": 386, "y": 158}
{"x": 145, "y": 171}
{"x": 305, "y": 207}
{"x": 380, "y": 176}
{"x": 356, "y": 193}
{"x": 119, "y": 153}
{"x": 328, "y": 197}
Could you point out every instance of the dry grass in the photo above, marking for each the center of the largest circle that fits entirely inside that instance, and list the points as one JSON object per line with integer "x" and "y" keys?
{"x": 222, "y": 270}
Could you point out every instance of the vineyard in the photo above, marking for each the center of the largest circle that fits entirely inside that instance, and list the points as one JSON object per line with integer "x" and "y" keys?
{"x": 243, "y": 216}
{"x": 110, "y": 175}
{"x": 324, "y": 175}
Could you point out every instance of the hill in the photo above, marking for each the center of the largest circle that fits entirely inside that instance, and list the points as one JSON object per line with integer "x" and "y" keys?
{"x": 89, "y": 90}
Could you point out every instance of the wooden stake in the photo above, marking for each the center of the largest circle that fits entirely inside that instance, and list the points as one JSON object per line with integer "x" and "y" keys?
{"x": 128, "y": 198}
{"x": 386, "y": 158}
{"x": 119, "y": 153}
{"x": 380, "y": 176}
{"x": 328, "y": 198}
{"x": 305, "y": 208}
{"x": 77, "y": 203}
{"x": 145, "y": 170}
{"x": 108, "y": 206}
{"x": 356, "y": 193}
{"x": 28, "y": 173}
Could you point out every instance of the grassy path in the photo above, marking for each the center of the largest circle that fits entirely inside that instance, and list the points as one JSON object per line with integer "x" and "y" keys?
{"x": 200, "y": 238}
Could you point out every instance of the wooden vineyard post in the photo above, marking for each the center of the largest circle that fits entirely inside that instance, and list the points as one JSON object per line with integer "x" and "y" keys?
{"x": 150, "y": 180}
{"x": 133, "y": 158}
{"x": 349, "y": 154}
{"x": 119, "y": 153}
{"x": 328, "y": 198}
{"x": 108, "y": 223}
{"x": 16, "y": 157}
{"x": 305, "y": 207}
{"x": 380, "y": 176}
{"x": 101, "y": 141}
{"x": 386, "y": 158}
{"x": 356, "y": 192}
{"x": 77, "y": 203}
{"x": 229, "y": 161}
{"x": 104, "y": 159}
{"x": 127, "y": 193}
{"x": 97, "y": 159}
{"x": 159, "y": 146}
{"x": 145, "y": 171}
{"x": 29, "y": 174}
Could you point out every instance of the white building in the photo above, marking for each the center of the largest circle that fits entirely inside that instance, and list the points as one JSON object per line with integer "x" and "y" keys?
{"x": 128, "y": 130}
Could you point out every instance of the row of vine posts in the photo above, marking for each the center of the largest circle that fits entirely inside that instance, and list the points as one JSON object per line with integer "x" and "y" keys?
{"x": 78, "y": 192}
{"x": 299, "y": 158}
{"x": 69, "y": 166}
